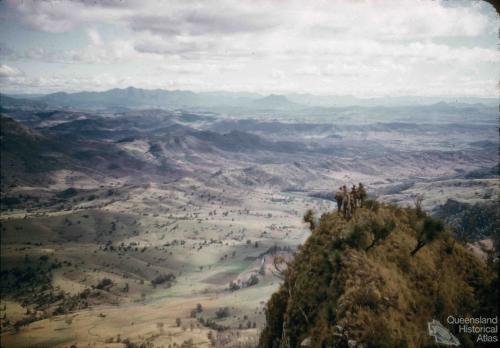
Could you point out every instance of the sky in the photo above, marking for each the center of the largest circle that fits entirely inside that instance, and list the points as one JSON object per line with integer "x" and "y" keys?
{"x": 360, "y": 48}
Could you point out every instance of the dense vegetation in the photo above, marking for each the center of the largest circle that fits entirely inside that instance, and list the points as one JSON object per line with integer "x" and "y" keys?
{"x": 470, "y": 221}
{"x": 376, "y": 280}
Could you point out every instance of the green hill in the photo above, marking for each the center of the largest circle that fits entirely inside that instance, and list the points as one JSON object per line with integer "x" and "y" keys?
{"x": 23, "y": 154}
{"x": 340, "y": 292}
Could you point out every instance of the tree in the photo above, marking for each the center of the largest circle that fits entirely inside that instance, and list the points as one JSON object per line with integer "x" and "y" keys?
{"x": 429, "y": 230}
{"x": 253, "y": 280}
{"x": 418, "y": 206}
{"x": 104, "y": 284}
{"x": 358, "y": 236}
{"x": 309, "y": 218}
{"x": 233, "y": 286}
{"x": 280, "y": 266}
{"x": 222, "y": 312}
{"x": 380, "y": 231}
{"x": 162, "y": 278}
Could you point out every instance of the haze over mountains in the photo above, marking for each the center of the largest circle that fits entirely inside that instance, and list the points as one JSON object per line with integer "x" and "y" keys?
{"x": 358, "y": 139}
{"x": 181, "y": 174}
{"x": 156, "y": 202}
{"x": 141, "y": 98}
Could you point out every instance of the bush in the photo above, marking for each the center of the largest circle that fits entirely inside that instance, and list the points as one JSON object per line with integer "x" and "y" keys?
{"x": 68, "y": 193}
{"x": 357, "y": 237}
{"x": 162, "y": 278}
{"x": 253, "y": 280}
{"x": 309, "y": 218}
{"x": 233, "y": 286}
{"x": 372, "y": 205}
{"x": 430, "y": 229}
{"x": 222, "y": 312}
{"x": 380, "y": 230}
{"x": 104, "y": 284}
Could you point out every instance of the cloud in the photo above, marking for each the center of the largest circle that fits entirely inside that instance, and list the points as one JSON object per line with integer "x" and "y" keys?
{"x": 200, "y": 22}
{"x": 58, "y": 16}
{"x": 171, "y": 17}
{"x": 175, "y": 46}
{"x": 96, "y": 52}
{"x": 346, "y": 47}
{"x": 94, "y": 37}
{"x": 383, "y": 19}
{"x": 9, "y": 72}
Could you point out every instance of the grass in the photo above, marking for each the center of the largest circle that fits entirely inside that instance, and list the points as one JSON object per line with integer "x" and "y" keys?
{"x": 383, "y": 297}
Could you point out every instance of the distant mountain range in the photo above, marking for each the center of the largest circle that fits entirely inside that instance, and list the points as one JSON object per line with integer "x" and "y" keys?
{"x": 7, "y": 102}
{"x": 142, "y": 98}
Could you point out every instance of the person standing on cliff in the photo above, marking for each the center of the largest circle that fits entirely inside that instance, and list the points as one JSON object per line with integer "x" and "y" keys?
{"x": 338, "y": 198}
{"x": 361, "y": 194}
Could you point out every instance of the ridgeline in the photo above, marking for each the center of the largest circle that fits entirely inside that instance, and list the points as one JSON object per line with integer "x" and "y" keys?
{"x": 376, "y": 280}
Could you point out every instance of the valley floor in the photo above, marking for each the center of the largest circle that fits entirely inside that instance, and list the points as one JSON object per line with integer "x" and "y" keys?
{"x": 205, "y": 239}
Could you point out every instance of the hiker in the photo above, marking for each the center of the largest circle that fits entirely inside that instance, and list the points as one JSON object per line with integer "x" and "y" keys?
{"x": 338, "y": 199}
{"x": 361, "y": 194}
{"x": 346, "y": 203}
{"x": 354, "y": 196}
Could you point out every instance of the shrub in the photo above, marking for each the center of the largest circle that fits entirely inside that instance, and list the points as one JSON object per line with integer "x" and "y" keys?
{"x": 68, "y": 193}
{"x": 233, "y": 286}
{"x": 430, "y": 229}
{"x": 222, "y": 312}
{"x": 309, "y": 218}
{"x": 253, "y": 280}
{"x": 380, "y": 230}
{"x": 357, "y": 237}
{"x": 104, "y": 284}
{"x": 160, "y": 279}
{"x": 372, "y": 205}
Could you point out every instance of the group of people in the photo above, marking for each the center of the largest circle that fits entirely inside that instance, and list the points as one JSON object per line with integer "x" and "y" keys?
{"x": 347, "y": 201}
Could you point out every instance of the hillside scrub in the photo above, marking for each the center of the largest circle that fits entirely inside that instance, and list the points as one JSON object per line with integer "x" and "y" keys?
{"x": 357, "y": 281}
{"x": 470, "y": 221}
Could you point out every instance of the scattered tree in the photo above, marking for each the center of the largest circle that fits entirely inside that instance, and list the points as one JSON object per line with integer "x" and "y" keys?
{"x": 253, "y": 280}
{"x": 309, "y": 218}
{"x": 222, "y": 312}
{"x": 380, "y": 230}
{"x": 104, "y": 284}
{"x": 429, "y": 230}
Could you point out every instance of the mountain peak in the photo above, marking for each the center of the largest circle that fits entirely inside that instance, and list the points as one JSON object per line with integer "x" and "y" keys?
{"x": 345, "y": 285}
{"x": 274, "y": 101}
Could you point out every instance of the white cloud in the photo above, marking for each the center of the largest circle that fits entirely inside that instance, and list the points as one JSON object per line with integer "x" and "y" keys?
{"x": 94, "y": 37}
{"x": 388, "y": 19}
{"x": 8, "y": 72}
{"x": 328, "y": 47}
